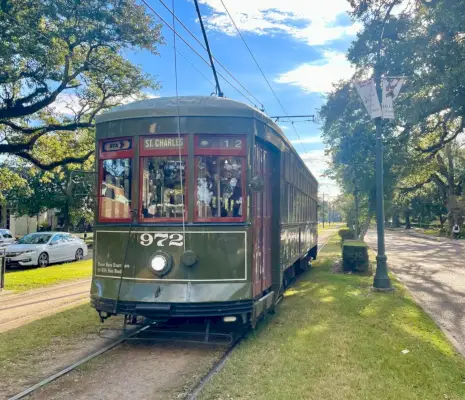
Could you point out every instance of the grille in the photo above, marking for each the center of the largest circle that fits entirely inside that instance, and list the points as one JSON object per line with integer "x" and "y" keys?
{"x": 175, "y": 309}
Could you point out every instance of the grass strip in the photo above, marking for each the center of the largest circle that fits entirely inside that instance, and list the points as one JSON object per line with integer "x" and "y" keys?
{"x": 333, "y": 338}
{"x": 20, "y": 281}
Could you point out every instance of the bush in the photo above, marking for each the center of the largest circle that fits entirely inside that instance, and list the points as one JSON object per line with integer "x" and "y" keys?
{"x": 355, "y": 256}
{"x": 346, "y": 234}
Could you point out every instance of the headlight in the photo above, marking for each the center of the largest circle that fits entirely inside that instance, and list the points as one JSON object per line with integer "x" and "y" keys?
{"x": 29, "y": 252}
{"x": 159, "y": 263}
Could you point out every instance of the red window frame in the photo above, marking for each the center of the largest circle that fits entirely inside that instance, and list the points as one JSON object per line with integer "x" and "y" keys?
{"x": 221, "y": 152}
{"x": 114, "y": 155}
{"x": 144, "y": 153}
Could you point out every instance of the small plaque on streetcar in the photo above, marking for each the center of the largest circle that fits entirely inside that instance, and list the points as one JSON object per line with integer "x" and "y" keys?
{"x": 117, "y": 145}
{"x": 229, "y": 143}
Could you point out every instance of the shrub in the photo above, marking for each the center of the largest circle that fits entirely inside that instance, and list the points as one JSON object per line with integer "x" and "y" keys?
{"x": 346, "y": 234}
{"x": 355, "y": 256}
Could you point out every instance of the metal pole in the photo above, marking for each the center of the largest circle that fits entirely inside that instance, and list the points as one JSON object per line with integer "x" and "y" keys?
{"x": 381, "y": 280}
{"x": 220, "y": 93}
{"x": 323, "y": 210}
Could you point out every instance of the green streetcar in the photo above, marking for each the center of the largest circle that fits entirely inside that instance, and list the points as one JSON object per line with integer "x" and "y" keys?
{"x": 205, "y": 210}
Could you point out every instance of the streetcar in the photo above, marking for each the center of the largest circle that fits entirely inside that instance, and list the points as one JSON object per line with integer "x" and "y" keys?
{"x": 205, "y": 210}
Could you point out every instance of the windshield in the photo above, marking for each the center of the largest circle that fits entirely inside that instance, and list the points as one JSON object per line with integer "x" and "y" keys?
{"x": 35, "y": 239}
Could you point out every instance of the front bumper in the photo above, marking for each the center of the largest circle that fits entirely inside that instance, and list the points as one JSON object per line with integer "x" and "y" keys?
{"x": 23, "y": 260}
{"x": 173, "y": 310}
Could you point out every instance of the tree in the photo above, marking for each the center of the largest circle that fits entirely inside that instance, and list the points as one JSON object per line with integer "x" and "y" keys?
{"x": 67, "y": 188}
{"x": 57, "y": 53}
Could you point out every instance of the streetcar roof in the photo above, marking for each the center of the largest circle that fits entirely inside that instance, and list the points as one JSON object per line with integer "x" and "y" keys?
{"x": 189, "y": 106}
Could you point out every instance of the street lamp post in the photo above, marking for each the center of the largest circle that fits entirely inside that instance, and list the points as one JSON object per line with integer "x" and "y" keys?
{"x": 381, "y": 280}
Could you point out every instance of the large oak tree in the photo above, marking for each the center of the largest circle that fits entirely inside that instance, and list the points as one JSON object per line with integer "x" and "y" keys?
{"x": 56, "y": 53}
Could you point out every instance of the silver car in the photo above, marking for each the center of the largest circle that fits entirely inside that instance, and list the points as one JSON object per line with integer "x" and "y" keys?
{"x": 6, "y": 238}
{"x": 44, "y": 248}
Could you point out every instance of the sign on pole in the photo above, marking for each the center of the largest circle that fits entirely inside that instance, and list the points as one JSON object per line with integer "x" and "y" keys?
{"x": 391, "y": 88}
{"x": 367, "y": 92}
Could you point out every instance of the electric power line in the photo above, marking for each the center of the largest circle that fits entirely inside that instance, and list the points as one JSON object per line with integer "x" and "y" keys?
{"x": 203, "y": 46}
{"x": 263, "y": 74}
{"x": 91, "y": 63}
{"x": 195, "y": 51}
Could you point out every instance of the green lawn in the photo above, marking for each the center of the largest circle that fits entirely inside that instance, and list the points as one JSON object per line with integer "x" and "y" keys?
{"x": 20, "y": 281}
{"x": 333, "y": 338}
{"x": 22, "y": 350}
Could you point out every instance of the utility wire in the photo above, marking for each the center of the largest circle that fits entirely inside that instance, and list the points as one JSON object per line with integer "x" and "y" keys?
{"x": 203, "y": 46}
{"x": 263, "y": 74}
{"x": 91, "y": 63}
{"x": 195, "y": 51}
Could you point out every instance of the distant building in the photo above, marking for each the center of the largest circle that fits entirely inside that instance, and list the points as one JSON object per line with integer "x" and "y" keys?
{"x": 22, "y": 225}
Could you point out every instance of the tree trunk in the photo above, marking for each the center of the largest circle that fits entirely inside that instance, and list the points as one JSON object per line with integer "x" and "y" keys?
{"x": 408, "y": 223}
{"x": 395, "y": 220}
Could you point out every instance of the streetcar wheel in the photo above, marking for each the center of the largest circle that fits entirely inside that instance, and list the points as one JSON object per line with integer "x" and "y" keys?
{"x": 43, "y": 260}
{"x": 79, "y": 255}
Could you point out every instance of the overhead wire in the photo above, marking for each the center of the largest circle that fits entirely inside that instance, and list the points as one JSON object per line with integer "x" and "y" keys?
{"x": 203, "y": 47}
{"x": 179, "y": 132}
{"x": 263, "y": 74}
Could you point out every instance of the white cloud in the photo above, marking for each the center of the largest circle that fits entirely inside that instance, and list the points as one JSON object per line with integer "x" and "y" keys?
{"x": 319, "y": 76}
{"x": 313, "y": 139}
{"x": 311, "y": 21}
{"x": 318, "y": 163}
{"x": 69, "y": 103}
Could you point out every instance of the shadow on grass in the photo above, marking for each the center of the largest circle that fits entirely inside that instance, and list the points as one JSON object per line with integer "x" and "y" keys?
{"x": 333, "y": 338}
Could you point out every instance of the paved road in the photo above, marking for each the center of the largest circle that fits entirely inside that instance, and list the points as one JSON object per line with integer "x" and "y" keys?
{"x": 434, "y": 272}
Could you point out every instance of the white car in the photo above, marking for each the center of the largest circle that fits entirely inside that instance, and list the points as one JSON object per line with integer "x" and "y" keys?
{"x": 44, "y": 248}
{"x": 6, "y": 238}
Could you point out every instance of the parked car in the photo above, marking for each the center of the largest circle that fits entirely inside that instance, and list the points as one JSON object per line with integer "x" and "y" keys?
{"x": 44, "y": 248}
{"x": 6, "y": 238}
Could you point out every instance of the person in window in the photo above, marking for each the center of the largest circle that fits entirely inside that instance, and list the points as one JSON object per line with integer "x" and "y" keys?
{"x": 232, "y": 199}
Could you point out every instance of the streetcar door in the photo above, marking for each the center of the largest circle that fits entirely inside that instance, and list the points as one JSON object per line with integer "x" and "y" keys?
{"x": 262, "y": 221}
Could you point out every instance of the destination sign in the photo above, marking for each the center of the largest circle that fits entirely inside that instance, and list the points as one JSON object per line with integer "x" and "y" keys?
{"x": 206, "y": 142}
{"x": 163, "y": 143}
{"x": 117, "y": 145}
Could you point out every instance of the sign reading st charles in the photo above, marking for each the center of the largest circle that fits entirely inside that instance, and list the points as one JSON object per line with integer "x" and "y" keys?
{"x": 163, "y": 143}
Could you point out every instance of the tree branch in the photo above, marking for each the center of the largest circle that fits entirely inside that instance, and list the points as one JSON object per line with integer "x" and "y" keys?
{"x": 49, "y": 167}
{"x": 48, "y": 128}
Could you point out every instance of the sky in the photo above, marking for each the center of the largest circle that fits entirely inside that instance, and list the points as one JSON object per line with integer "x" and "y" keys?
{"x": 299, "y": 44}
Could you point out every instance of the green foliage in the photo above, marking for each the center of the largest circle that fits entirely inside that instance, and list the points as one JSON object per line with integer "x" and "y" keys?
{"x": 61, "y": 63}
{"x": 355, "y": 256}
{"x": 346, "y": 234}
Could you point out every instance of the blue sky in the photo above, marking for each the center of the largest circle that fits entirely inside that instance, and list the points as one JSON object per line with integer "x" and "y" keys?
{"x": 299, "y": 44}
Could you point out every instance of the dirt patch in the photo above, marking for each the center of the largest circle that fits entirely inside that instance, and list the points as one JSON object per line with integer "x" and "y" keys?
{"x": 30, "y": 369}
{"x": 136, "y": 371}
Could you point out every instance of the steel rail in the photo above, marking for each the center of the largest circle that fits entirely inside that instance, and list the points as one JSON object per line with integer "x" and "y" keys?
{"x": 65, "y": 371}
{"x": 44, "y": 300}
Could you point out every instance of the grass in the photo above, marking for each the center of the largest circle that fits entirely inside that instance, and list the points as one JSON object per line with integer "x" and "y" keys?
{"x": 19, "y": 281}
{"x": 18, "y": 344}
{"x": 333, "y": 338}
{"x": 22, "y": 350}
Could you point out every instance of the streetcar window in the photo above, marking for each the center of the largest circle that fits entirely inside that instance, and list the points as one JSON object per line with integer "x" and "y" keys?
{"x": 219, "y": 187}
{"x": 115, "y": 190}
{"x": 163, "y": 187}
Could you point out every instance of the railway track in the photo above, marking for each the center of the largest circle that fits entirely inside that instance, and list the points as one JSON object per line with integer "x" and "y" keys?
{"x": 192, "y": 395}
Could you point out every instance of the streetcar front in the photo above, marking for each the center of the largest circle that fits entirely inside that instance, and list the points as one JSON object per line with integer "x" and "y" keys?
{"x": 172, "y": 230}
